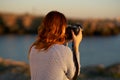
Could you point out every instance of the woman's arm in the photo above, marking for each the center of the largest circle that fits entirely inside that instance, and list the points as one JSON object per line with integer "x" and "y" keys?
{"x": 75, "y": 46}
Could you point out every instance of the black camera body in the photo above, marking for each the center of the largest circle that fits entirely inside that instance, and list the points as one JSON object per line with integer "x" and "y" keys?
{"x": 75, "y": 28}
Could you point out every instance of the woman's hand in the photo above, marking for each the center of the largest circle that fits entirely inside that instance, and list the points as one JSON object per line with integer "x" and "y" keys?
{"x": 76, "y": 40}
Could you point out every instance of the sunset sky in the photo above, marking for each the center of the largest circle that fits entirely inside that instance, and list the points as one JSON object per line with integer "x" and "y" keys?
{"x": 71, "y": 8}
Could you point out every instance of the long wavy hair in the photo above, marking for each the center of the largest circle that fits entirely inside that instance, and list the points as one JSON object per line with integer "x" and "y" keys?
{"x": 51, "y": 31}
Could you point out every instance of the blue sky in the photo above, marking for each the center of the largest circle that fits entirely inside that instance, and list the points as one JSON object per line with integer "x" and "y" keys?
{"x": 71, "y": 8}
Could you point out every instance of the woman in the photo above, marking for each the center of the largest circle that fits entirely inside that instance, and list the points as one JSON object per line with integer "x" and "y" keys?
{"x": 49, "y": 58}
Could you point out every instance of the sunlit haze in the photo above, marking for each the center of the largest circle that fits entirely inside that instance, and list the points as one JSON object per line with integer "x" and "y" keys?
{"x": 71, "y": 8}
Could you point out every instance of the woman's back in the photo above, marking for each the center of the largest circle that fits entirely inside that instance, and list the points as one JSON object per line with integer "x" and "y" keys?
{"x": 55, "y": 63}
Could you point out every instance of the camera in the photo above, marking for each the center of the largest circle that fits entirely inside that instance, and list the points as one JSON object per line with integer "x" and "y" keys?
{"x": 75, "y": 28}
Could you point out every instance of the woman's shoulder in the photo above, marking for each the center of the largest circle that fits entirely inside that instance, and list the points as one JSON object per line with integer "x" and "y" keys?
{"x": 64, "y": 51}
{"x": 62, "y": 48}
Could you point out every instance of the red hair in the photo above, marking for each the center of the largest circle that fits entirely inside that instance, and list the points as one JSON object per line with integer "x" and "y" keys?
{"x": 51, "y": 30}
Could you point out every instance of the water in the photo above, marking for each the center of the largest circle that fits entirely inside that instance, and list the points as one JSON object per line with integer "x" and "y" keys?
{"x": 93, "y": 50}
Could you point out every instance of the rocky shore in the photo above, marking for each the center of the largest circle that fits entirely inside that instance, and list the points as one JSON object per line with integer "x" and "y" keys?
{"x": 16, "y": 70}
{"x": 99, "y": 72}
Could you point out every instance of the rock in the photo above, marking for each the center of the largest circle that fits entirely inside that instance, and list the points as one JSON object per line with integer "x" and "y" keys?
{"x": 99, "y": 71}
{"x": 14, "y": 70}
{"x": 113, "y": 70}
{"x": 1, "y": 60}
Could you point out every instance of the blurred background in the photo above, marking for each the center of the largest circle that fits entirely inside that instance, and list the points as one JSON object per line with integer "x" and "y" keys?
{"x": 20, "y": 19}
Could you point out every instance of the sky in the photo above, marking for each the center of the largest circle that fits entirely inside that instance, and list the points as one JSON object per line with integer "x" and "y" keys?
{"x": 71, "y": 8}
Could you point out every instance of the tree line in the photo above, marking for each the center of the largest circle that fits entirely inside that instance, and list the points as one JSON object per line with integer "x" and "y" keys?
{"x": 28, "y": 24}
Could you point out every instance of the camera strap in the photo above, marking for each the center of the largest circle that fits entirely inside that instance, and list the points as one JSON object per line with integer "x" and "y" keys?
{"x": 75, "y": 62}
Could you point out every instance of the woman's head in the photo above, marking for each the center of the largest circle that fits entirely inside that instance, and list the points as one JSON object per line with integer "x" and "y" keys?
{"x": 52, "y": 30}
